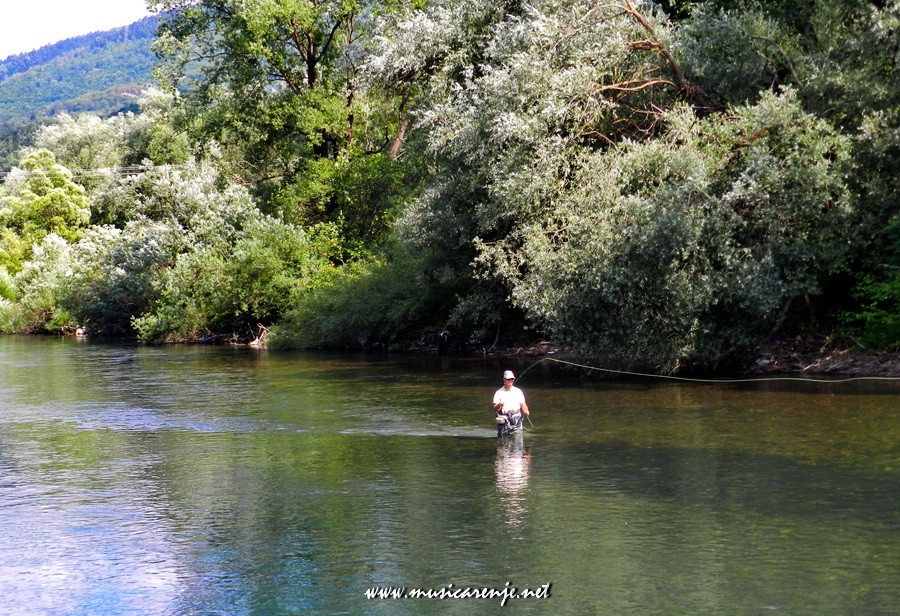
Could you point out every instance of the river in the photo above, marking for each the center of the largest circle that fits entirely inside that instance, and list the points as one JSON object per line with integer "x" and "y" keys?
{"x": 218, "y": 480}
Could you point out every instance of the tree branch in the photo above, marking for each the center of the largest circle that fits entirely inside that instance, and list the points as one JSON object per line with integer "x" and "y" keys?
{"x": 628, "y": 86}
{"x": 327, "y": 43}
{"x": 787, "y": 58}
{"x": 689, "y": 90}
{"x": 401, "y": 132}
{"x": 296, "y": 38}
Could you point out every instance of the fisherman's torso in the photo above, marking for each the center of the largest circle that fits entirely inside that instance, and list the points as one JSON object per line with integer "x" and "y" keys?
{"x": 511, "y": 398}
{"x": 511, "y": 412}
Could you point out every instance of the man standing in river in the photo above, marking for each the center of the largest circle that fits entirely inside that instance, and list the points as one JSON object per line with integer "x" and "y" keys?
{"x": 509, "y": 406}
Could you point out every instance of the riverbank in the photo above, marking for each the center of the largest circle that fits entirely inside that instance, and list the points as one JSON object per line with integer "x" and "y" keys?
{"x": 819, "y": 356}
{"x": 811, "y": 355}
{"x": 808, "y": 357}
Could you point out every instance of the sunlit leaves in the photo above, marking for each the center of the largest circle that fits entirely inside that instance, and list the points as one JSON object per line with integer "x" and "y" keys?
{"x": 39, "y": 198}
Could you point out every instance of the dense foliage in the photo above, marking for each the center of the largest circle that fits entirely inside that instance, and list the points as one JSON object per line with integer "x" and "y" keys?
{"x": 666, "y": 183}
{"x": 176, "y": 251}
{"x": 280, "y": 93}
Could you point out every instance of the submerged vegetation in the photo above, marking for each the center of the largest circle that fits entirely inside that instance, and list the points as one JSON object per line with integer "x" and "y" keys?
{"x": 670, "y": 184}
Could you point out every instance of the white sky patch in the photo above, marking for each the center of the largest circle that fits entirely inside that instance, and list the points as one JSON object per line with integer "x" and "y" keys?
{"x": 26, "y": 25}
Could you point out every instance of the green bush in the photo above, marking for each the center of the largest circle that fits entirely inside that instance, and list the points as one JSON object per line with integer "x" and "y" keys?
{"x": 7, "y": 285}
{"x": 877, "y": 322}
{"x": 39, "y": 288}
{"x": 114, "y": 271}
{"x": 233, "y": 288}
{"x": 381, "y": 302}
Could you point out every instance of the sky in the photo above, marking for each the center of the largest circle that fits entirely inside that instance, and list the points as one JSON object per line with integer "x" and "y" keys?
{"x": 30, "y": 24}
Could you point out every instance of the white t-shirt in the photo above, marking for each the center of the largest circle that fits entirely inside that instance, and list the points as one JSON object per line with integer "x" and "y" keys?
{"x": 512, "y": 399}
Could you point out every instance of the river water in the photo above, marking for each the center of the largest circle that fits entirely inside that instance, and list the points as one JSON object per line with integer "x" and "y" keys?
{"x": 215, "y": 480}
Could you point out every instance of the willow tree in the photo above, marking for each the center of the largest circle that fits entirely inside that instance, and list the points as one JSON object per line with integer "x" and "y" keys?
{"x": 275, "y": 83}
{"x": 600, "y": 193}
{"x": 510, "y": 98}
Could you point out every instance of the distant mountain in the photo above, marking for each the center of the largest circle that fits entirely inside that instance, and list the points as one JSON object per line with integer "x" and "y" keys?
{"x": 99, "y": 72}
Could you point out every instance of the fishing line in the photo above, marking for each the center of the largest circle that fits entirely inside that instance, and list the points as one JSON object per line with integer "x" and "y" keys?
{"x": 696, "y": 380}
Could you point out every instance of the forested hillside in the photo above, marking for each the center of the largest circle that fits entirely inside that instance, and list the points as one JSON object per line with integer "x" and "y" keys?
{"x": 667, "y": 184}
{"x": 99, "y": 73}
{"x": 144, "y": 29}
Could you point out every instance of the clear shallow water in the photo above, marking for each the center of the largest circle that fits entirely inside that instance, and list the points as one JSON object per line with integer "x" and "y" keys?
{"x": 210, "y": 480}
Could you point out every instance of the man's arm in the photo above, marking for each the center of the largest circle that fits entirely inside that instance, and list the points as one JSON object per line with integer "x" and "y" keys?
{"x": 498, "y": 403}
{"x": 522, "y": 406}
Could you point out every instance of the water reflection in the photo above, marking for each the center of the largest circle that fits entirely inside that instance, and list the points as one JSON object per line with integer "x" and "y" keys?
{"x": 513, "y": 467}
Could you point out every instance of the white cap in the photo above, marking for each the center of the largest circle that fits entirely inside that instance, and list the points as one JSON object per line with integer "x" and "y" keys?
{"x": 509, "y": 375}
